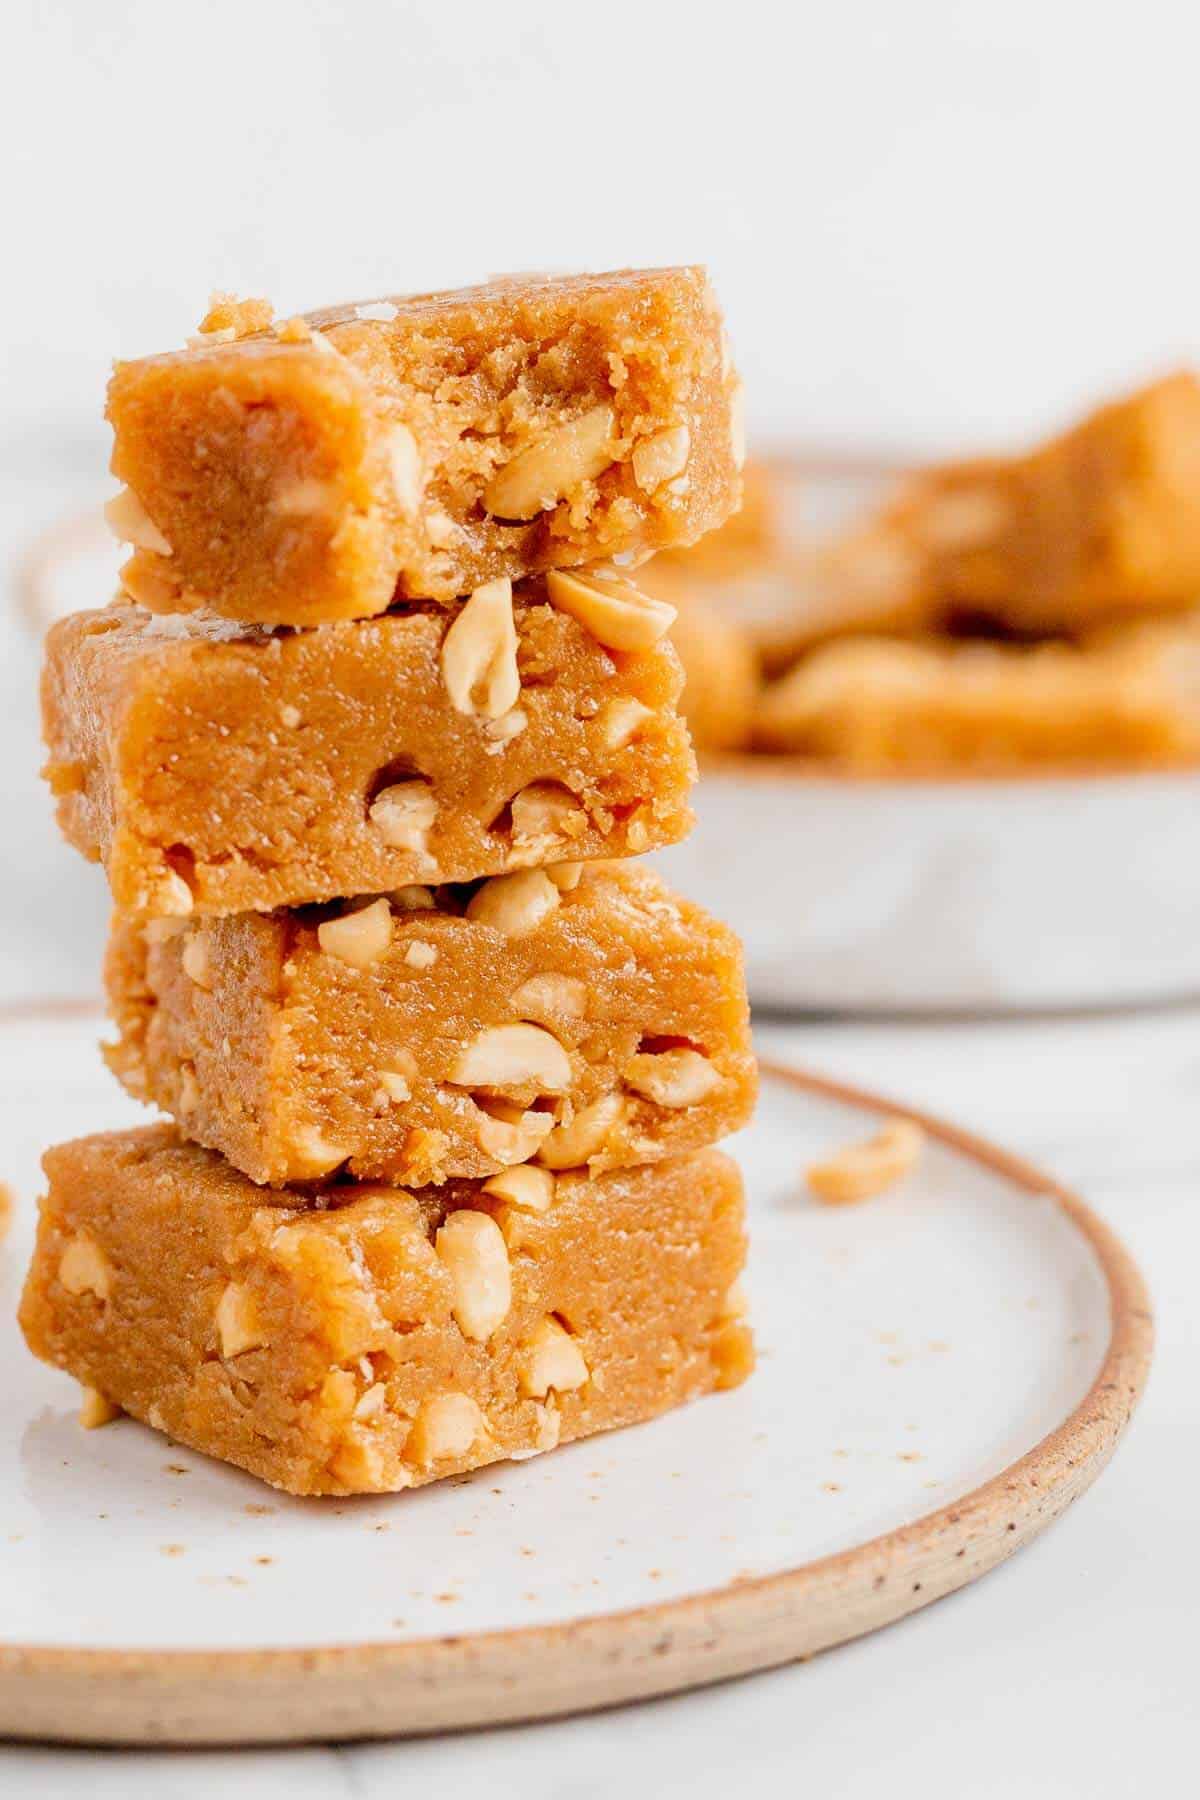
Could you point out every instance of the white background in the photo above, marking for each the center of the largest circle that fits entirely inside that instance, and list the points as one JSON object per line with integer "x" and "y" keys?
{"x": 933, "y": 225}
{"x": 930, "y": 222}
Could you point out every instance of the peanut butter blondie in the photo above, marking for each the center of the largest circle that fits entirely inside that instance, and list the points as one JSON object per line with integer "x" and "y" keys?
{"x": 368, "y": 1339}
{"x": 1100, "y": 522}
{"x": 418, "y": 447}
{"x": 581, "y": 1014}
{"x": 1125, "y": 696}
{"x": 220, "y": 769}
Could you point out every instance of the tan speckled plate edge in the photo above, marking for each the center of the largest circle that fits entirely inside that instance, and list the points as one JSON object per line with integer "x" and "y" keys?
{"x": 439, "y": 1683}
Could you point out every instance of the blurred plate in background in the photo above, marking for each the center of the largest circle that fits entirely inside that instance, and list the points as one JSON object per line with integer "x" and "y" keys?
{"x": 907, "y": 895}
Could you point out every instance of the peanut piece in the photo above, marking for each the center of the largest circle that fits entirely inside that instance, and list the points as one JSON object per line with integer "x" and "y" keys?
{"x": 735, "y": 1304}
{"x": 549, "y": 1428}
{"x": 150, "y": 587}
{"x": 394, "y": 1085}
{"x": 447, "y": 1425}
{"x": 479, "y": 653}
{"x": 413, "y": 898}
{"x": 404, "y": 460}
{"x": 621, "y": 720}
{"x": 503, "y": 730}
{"x": 514, "y": 904}
{"x": 194, "y": 960}
{"x": 674, "y": 1078}
{"x": 84, "y": 1268}
{"x": 372, "y": 1401}
{"x": 537, "y": 478}
{"x": 656, "y": 459}
{"x": 546, "y": 809}
{"x": 96, "y": 1409}
{"x": 403, "y": 814}
{"x": 358, "y": 938}
{"x": 471, "y": 1248}
{"x": 511, "y": 1134}
{"x": 237, "y": 1321}
{"x": 573, "y": 1145}
{"x": 228, "y": 317}
{"x": 440, "y": 528}
{"x": 863, "y": 1170}
{"x": 304, "y": 498}
{"x": 558, "y": 996}
{"x": 315, "y": 1153}
{"x": 532, "y": 1190}
{"x": 129, "y": 521}
{"x": 420, "y": 955}
{"x": 551, "y": 1359}
{"x": 566, "y": 876}
{"x": 174, "y": 896}
{"x": 161, "y": 931}
{"x": 359, "y": 1465}
{"x": 513, "y": 1056}
{"x": 618, "y": 614}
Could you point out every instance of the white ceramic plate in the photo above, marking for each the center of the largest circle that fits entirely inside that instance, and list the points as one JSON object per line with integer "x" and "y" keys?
{"x": 942, "y": 1371}
{"x": 881, "y": 896}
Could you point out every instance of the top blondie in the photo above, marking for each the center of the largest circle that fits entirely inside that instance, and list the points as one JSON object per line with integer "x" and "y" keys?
{"x": 324, "y": 466}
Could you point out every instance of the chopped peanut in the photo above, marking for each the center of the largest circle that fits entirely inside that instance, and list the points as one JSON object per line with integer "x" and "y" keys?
{"x": 552, "y": 1359}
{"x": 863, "y": 1170}
{"x": 537, "y": 478}
{"x": 471, "y": 1247}
{"x": 447, "y": 1425}
{"x": 358, "y": 938}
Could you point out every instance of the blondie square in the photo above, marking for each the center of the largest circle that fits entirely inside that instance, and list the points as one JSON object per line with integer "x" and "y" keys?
{"x": 222, "y": 769}
{"x": 443, "y": 1033}
{"x": 418, "y": 447}
{"x": 1123, "y": 696}
{"x": 371, "y": 1339}
{"x": 1100, "y": 522}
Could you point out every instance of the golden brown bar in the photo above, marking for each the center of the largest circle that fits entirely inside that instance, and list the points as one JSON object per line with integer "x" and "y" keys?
{"x": 1100, "y": 522}
{"x": 381, "y": 1339}
{"x": 421, "y": 446}
{"x": 1122, "y": 697}
{"x": 447, "y": 1033}
{"x": 221, "y": 770}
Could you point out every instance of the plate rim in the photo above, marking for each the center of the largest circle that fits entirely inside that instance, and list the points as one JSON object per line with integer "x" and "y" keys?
{"x": 382, "y": 1689}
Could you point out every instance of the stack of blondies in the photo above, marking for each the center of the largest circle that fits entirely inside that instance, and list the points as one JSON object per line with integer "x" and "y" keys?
{"x": 361, "y": 745}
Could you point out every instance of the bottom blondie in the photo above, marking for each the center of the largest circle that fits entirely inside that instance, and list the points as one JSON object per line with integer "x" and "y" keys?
{"x": 360, "y": 1339}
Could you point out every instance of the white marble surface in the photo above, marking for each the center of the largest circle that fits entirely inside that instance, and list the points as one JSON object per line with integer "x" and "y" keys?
{"x": 1070, "y": 1671}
